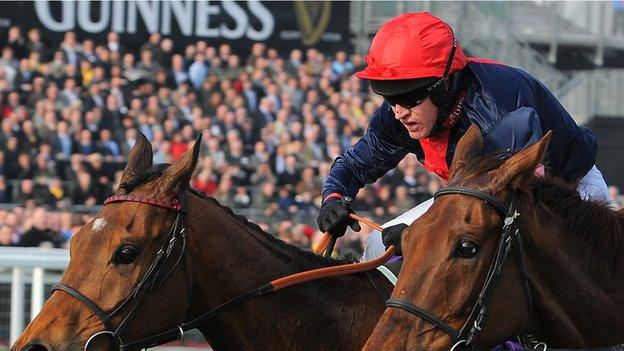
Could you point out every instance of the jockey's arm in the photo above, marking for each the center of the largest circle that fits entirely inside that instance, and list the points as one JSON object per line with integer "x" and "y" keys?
{"x": 571, "y": 152}
{"x": 366, "y": 161}
{"x": 513, "y": 131}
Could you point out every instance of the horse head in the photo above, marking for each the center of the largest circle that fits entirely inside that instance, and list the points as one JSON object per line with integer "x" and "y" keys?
{"x": 129, "y": 256}
{"x": 448, "y": 255}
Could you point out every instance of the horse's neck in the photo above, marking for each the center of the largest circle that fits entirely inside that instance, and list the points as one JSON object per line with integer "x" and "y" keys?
{"x": 230, "y": 259}
{"x": 572, "y": 308}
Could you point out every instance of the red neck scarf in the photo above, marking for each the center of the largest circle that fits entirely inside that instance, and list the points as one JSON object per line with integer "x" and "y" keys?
{"x": 435, "y": 147}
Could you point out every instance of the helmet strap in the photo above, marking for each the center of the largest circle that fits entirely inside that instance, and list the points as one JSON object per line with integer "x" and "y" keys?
{"x": 445, "y": 96}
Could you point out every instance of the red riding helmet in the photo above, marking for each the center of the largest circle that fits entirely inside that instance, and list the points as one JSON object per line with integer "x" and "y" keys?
{"x": 413, "y": 46}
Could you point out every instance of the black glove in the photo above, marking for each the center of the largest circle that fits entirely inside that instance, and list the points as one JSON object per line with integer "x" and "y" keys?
{"x": 334, "y": 217}
{"x": 392, "y": 236}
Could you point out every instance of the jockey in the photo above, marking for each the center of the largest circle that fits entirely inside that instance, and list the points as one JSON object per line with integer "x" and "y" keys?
{"x": 432, "y": 93}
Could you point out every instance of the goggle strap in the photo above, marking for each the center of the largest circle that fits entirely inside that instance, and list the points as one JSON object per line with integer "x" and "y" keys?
{"x": 449, "y": 63}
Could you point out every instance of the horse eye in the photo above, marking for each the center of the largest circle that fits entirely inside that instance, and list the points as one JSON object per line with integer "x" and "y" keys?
{"x": 466, "y": 249}
{"x": 126, "y": 254}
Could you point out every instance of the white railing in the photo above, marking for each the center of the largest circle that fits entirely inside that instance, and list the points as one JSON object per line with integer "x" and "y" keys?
{"x": 28, "y": 266}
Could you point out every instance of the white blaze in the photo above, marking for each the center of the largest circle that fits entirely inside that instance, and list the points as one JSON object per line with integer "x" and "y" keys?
{"x": 98, "y": 224}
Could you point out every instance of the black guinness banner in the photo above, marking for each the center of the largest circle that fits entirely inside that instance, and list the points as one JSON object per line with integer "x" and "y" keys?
{"x": 284, "y": 25}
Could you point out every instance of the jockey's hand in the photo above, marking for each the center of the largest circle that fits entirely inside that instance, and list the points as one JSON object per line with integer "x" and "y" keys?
{"x": 392, "y": 236}
{"x": 334, "y": 217}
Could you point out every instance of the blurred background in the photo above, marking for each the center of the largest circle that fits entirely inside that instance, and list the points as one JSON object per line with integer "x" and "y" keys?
{"x": 268, "y": 83}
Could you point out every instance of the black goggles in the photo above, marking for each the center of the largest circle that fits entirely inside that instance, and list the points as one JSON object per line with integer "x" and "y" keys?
{"x": 408, "y": 100}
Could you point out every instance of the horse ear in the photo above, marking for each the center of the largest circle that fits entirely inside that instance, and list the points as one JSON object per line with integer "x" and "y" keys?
{"x": 468, "y": 147}
{"x": 176, "y": 178}
{"x": 139, "y": 159}
{"x": 521, "y": 167}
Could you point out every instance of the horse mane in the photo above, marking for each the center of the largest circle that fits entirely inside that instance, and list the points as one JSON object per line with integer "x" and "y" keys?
{"x": 602, "y": 236}
{"x": 154, "y": 172}
{"x": 157, "y": 170}
{"x": 597, "y": 230}
{"x": 476, "y": 168}
{"x": 292, "y": 249}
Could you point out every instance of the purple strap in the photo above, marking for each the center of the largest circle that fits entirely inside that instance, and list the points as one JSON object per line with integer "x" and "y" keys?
{"x": 508, "y": 346}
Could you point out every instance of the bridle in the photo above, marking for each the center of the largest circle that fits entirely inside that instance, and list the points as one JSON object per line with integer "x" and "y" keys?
{"x": 153, "y": 279}
{"x": 465, "y": 337}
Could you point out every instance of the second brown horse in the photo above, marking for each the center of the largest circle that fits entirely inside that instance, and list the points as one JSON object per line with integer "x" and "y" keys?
{"x": 572, "y": 251}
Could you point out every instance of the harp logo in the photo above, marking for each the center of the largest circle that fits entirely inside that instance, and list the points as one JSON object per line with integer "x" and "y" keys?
{"x": 313, "y": 18}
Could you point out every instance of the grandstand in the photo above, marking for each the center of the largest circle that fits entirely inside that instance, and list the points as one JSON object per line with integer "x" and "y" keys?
{"x": 576, "y": 48}
{"x": 276, "y": 102}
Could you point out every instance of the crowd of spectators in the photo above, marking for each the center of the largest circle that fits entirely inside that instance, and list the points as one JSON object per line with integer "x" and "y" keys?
{"x": 272, "y": 124}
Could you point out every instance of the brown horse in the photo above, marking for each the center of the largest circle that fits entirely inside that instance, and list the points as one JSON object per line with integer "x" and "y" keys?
{"x": 554, "y": 271}
{"x": 218, "y": 257}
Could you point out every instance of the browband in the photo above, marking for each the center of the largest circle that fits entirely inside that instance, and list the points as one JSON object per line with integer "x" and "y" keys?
{"x": 476, "y": 193}
{"x": 172, "y": 205}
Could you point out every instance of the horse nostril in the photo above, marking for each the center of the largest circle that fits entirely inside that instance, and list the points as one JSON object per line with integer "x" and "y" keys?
{"x": 34, "y": 347}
